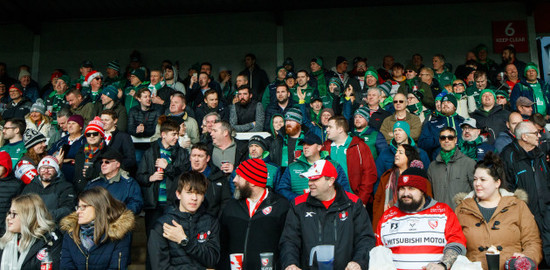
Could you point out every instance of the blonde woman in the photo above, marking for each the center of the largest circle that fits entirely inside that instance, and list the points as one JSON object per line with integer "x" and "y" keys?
{"x": 30, "y": 237}
{"x": 97, "y": 235}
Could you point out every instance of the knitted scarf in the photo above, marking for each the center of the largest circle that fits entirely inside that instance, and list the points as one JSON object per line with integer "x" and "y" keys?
{"x": 154, "y": 88}
{"x": 87, "y": 235}
{"x": 321, "y": 82}
{"x": 90, "y": 152}
{"x": 11, "y": 258}
{"x": 470, "y": 148}
{"x": 415, "y": 109}
{"x": 446, "y": 156}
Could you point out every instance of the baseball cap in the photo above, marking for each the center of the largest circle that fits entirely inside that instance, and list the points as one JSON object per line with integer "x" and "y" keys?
{"x": 319, "y": 169}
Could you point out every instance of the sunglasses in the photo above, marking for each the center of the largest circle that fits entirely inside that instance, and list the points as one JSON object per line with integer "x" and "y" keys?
{"x": 449, "y": 137}
{"x": 92, "y": 134}
{"x": 106, "y": 162}
{"x": 501, "y": 97}
{"x": 410, "y": 71}
{"x": 458, "y": 84}
{"x": 398, "y": 101}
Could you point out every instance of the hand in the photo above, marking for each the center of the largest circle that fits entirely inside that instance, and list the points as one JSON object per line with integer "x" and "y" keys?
{"x": 59, "y": 156}
{"x": 140, "y": 128}
{"x": 292, "y": 267}
{"x": 353, "y": 266}
{"x": 433, "y": 266}
{"x": 157, "y": 176}
{"x": 226, "y": 79}
{"x": 301, "y": 95}
{"x": 235, "y": 99}
{"x": 157, "y": 100}
{"x": 227, "y": 167}
{"x": 349, "y": 91}
{"x": 186, "y": 144}
{"x": 120, "y": 93}
{"x": 193, "y": 80}
{"x": 517, "y": 254}
{"x": 132, "y": 92}
{"x": 254, "y": 123}
{"x": 173, "y": 233}
{"x": 161, "y": 163}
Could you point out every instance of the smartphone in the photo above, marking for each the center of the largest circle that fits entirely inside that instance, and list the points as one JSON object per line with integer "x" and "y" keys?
{"x": 195, "y": 74}
{"x": 65, "y": 148}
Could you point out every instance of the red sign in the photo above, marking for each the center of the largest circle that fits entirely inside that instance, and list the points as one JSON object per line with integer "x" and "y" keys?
{"x": 513, "y": 33}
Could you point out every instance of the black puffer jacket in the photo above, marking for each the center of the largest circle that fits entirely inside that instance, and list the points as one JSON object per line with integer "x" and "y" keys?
{"x": 59, "y": 196}
{"x": 51, "y": 244}
{"x": 493, "y": 121}
{"x": 201, "y": 252}
{"x": 218, "y": 192}
{"x": 149, "y": 118}
{"x": 179, "y": 164}
{"x": 10, "y": 187}
{"x": 18, "y": 110}
{"x": 122, "y": 142}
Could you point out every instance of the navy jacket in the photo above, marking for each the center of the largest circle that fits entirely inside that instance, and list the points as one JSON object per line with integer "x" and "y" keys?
{"x": 123, "y": 187}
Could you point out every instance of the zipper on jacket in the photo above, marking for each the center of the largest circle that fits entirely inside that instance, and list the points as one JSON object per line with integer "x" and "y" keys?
{"x": 246, "y": 238}
{"x": 320, "y": 231}
{"x": 119, "y": 259}
{"x": 335, "y": 230}
{"x": 85, "y": 255}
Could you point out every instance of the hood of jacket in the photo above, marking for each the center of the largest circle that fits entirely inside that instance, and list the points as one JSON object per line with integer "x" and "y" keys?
{"x": 519, "y": 193}
{"x": 117, "y": 230}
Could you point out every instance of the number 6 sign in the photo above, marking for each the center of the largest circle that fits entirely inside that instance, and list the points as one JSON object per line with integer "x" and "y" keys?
{"x": 507, "y": 33}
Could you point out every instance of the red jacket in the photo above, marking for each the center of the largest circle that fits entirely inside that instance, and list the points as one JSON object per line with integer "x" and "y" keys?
{"x": 361, "y": 168}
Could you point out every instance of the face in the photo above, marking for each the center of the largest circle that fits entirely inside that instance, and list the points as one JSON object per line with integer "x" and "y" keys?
{"x": 531, "y": 75}
{"x": 73, "y": 128}
{"x": 449, "y": 142}
{"x": 156, "y": 77}
{"x": 319, "y": 188}
{"x": 311, "y": 150}
{"x": 109, "y": 166}
{"x": 438, "y": 105}
{"x": 278, "y": 123}
{"x": 361, "y": 68}
{"x": 437, "y": 63}
{"x": 2, "y": 89}
{"x": 373, "y": 97}
{"x": 134, "y": 80}
{"x": 388, "y": 61}
{"x": 482, "y": 54}
{"x": 410, "y": 74}
{"x": 13, "y": 220}
{"x": 281, "y": 74}
{"x": 302, "y": 79}
{"x": 86, "y": 213}
{"x": 425, "y": 77}
{"x": 108, "y": 122}
{"x": 40, "y": 148}
{"x": 370, "y": 80}
{"x": 458, "y": 87}
{"x": 190, "y": 201}
{"x": 401, "y": 159}
{"x": 25, "y": 80}
{"x": 73, "y": 100}
{"x": 209, "y": 122}
{"x": 400, "y": 102}
{"x": 481, "y": 82}
{"x": 292, "y": 128}
{"x": 60, "y": 86}
{"x": 290, "y": 82}
{"x": 400, "y": 136}
{"x": 332, "y": 130}
{"x": 512, "y": 72}
{"x": 15, "y": 94}
{"x": 93, "y": 137}
{"x": 145, "y": 98}
{"x": 176, "y": 105}
{"x": 397, "y": 72}
{"x": 96, "y": 82}
{"x": 525, "y": 110}
{"x": 199, "y": 159}
{"x": 217, "y": 133}
{"x": 513, "y": 121}
{"x": 342, "y": 67}
{"x": 488, "y": 100}
{"x": 417, "y": 60}
{"x": 447, "y": 108}
{"x": 471, "y": 56}
{"x": 316, "y": 105}
{"x": 9, "y": 130}
{"x": 248, "y": 61}
{"x": 47, "y": 173}
{"x": 532, "y": 136}
{"x": 35, "y": 116}
{"x": 241, "y": 80}
{"x": 410, "y": 198}
{"x": 212, "y": 100}
{"x": 255, "y": 151}
{"x": 85, "y": 70}
{"x": 506, "y": 56}
{"x": 469, "y": 133}
{"x": 203, "y": 80}
{"x": 314, "y": 67}
{"x": 206, "y": 69}
{"x": 359, "y": 122}
{"x": 111, "y": 73}
{"x": 325, "y": 116}
{"x": 168, "y": 74}
{"x": 244, "y": 96}
{"x": 245, "y": 190}
{"x": 485, "y": 186}
{"x": 170, "y": 137}
{"x": 105, "y": 100}
{"x": 282, "y": 94}
{"x": 411, "y": 99}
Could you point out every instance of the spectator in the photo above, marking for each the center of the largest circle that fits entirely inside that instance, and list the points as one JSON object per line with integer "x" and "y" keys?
{"x": 377, "y": 113}
{"x": 110, "y": 101}
{"x": 426, "y": 75}
{"x": 80, "y": 105}
{"x": 171, "y": 78}
{"x": 357, "y": 80}
{"x": 509, "y": 57}
{"x": 503, "y": 100}
{"x": 19, "y": 105}
{"x": 101, "y": 226}
{"x": 137, "y": 82}
{"x": 512, "y": 77}
{"x": 304, "y": 85}
{"x": 536, "y": 90}
{"x": 439, "y": 234}
{"x": 207, "y": 123}
{"x": 441, "y": 74}
{"x": 172, "y": 243}
{"x": 374, "y": 139}
{"x": 280, "y": 105}
{"x": 177, "y": 108}
{"x": 226, "y": 151}
{"x": 257, "y": 77}
{"x": 400, "y": 104}
{"x": 210, "y": 104}
{"x": 118, "y": 140}
{"x": 30, "y": 88}
{"x": 472, "y": 144}
{"x": 74, "y": 141}
{"x": 50, "y": 184}
{"x": 257, "y": 213}
{"x": 451, "y": 172}
{"x": 30, "y": 235}
{"x": 462, "y": 106}
{"x": 507, "y": 136}
{"x": 480, "y": 220}
{"x": 93, "y": 86}
{"x": 85, "y": 68}
{"x": 117, "y": 181}
{"x": 270, "y": 92}
{"x": 525, "y": 107}
{"x": 247, "y": 114}
{"x": 286, "y": 147}
{"x": 490, "y": 117}
{"x": 4, "y": 95}
{"x": 59, "y": 126}
{"x": 330, "y": 203}
{"x": 276, "y": 126}
{"x": 412, "y": 82}
{"x": 10, "y": 186}
{"x": 13, "y": 133}
{"x": 525, "y": 163}
{"x": 87, "y": 162}
{"x": 38, "y": 120}
{"x": 159, "y": 91}
{"x": 35, "y": 144}
{"x": 143, "y": 118}
{"x": 113, "y": 75}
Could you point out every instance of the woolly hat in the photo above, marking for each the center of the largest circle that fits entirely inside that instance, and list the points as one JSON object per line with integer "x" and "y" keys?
{"x": 49, "y": 161}
{"x": 111, "y": 92}
{"x": 414, "y": 177}
{"x": 329, "y": 110}
{"x": 288, "y": 62}
{"x": 294, "y": 114}
{"x": 95, "y": 125}
{"x": 371, "y": 71}
{"x": 450, "y": 98}
{"x": 319, "y": 169}
{"x": 386, "y": 88}
{"x": 503, "y": 93}
{"x": 5, "y": 161}
{"x": 340, "y": 59}
{"x": 87, "y": 64}
{"x": 22, "y": 74}
{"x": 32, "y": 137}
{"x": 290, "y": 74}
{"x": 254, "y": 171}
{"x": 17, "y": 87}
{"x": 114, "y": 65}
{"x": 139, "y": 73}
{"x": 336, "y": 81}
{"x": 66, "y": 79}
{"x": 90, "y": 77}
{"x": 364, "y": 112}
{"x": 440, "y": 96}
{"x": 404, "y": 126}
{"x": 529, "y": 66}
{"x": 487, "y": 91}
{"x": 56, "y": 74}
{"x": 77, "y": 119}
{"x": 39, "y": 106}
{"x": 259, "y": 141}
{"x": 318, "y": 60}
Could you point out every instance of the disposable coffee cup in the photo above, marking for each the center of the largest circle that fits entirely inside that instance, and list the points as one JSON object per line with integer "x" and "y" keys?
{"x": 236, "y": 261}
{"x": 266, "y": 259}
{"x": 324, "y": 255}
{"x": 492, "y": 261}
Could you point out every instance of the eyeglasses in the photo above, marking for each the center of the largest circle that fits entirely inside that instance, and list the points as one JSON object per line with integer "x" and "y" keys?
{"x": 409, "y": 71}
{"x": 46, "y": 168}
{"x": 11, "y": 214}
{"x": 536, "y": 133}
{"x": 398, "y": 101}
{"x": 107, "y": 161}
{"x": 458, "y": 84}
{"x": 449, "y": 137}
{"x": 92, "y": 134}
{"x": 81, "y": 207}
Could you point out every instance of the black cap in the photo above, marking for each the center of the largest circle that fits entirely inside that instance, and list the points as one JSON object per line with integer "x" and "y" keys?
{"x": 112, "y": 154}
{"x": 340, "y": 59}
{"x": 316, "y": 98}
{"x": 87, "y": 64}
{"x": 310, "y": 138}
{"x": 290, "y": 74}
{"x": 258, "y": 140}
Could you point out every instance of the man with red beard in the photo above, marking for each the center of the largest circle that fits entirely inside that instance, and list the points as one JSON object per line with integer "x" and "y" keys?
{"x": 286, "y": 148}
{"x": 247, "y": 114}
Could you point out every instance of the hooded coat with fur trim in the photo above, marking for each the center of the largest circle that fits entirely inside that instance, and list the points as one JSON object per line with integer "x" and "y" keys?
{"x": 111, "y": 254}
{"x": 512, "y": 228}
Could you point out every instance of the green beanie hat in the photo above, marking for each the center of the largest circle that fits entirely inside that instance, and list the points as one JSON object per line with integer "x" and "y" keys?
{"x": 450, "y": 98}
{"x": 488, "y": 91}
{"x": 529, "y": 66}
{"x": 362, "y": 111}
{"x": 66, "y": 79}
{"x": 294, "y": 114}
{"x": 503, "y": 93}
{"x": 371, "y": 71}
{"x": 318, "y": 60}
{"x": 404, "y": 126}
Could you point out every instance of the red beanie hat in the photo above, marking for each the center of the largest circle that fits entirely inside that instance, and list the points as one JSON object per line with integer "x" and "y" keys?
{"x": 96, "y": 125}
{"x": 414, "y": 177}
{"x": 254, "y": 171}
{"x": 5, "y": 161}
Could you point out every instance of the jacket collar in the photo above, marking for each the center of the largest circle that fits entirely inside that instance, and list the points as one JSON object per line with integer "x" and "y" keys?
{"x": 117, "y": 229}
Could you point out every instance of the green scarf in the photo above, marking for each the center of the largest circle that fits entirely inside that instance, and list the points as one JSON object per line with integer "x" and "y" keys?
{"x": 415, "y": 109}
{"x": 446, "y": 156}
{"x": 154, "y": 88}
{"x": 321, "y": 82}
{"x": 470, "y": 148}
